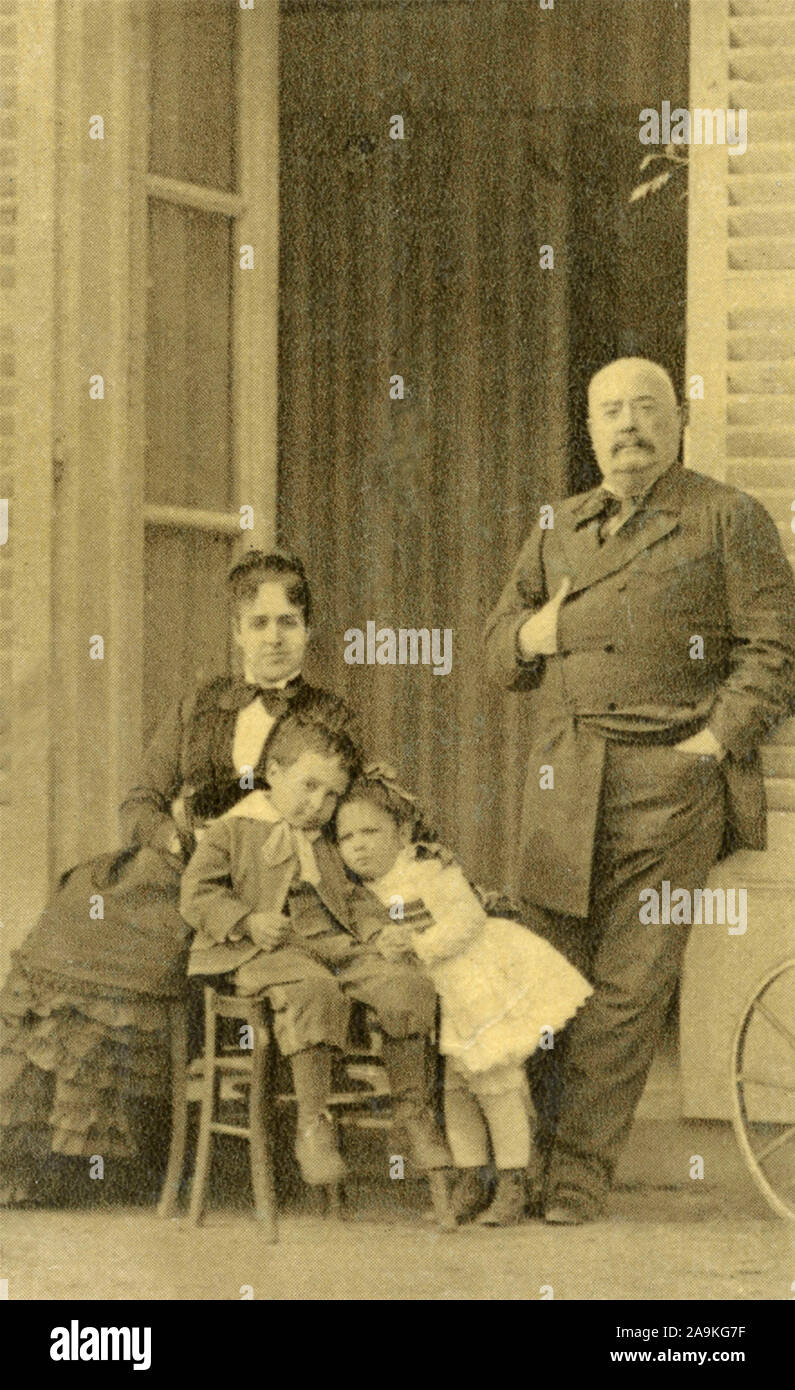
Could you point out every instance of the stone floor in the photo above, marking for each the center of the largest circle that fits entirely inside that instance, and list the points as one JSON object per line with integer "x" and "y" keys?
{"x": 667, "y": 1236}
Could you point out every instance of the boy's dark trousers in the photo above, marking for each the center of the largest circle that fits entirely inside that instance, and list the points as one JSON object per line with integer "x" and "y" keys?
{"x": 661, "y": 818}
{"x": 310, "y": 984}
{"x": 312, "y": 979}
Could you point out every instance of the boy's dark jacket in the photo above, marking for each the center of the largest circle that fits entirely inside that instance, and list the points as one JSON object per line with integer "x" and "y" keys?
{"x": 215, "y": 907}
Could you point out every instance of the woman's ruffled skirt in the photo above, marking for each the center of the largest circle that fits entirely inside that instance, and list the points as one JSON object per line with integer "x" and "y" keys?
{"x": 79, "y": 1066}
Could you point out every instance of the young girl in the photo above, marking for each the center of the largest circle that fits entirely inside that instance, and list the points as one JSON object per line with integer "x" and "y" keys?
{"x": 500, "y": 987}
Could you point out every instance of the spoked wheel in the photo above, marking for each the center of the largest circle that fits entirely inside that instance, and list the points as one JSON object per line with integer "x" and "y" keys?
{"x": 763, "y": 1092}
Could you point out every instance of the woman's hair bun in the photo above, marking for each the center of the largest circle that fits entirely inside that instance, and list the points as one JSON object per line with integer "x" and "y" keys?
{"x": 273, "y": 560}
{"x": 258, "y": 566}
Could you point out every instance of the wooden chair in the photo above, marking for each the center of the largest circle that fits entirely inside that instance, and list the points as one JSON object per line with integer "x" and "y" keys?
{"x": 201, "y": 1081}
{"x": 362, "y": 1100}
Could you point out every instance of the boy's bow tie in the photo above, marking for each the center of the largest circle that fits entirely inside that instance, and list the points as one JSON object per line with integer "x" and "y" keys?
{"x": 289, "y": 842}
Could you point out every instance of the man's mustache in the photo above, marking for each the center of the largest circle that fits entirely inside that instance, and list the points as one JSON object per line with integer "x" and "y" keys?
{"x": 635, "y": 443}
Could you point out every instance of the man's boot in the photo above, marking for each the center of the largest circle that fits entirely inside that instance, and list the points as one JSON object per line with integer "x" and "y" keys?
{"x": 316, "y": 1139}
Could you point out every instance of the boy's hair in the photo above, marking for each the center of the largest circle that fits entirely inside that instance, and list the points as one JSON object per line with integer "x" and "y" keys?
{"x": 377, "y": 785}
{"x": 294, "y": 735}
{"x": 260, "y": 567}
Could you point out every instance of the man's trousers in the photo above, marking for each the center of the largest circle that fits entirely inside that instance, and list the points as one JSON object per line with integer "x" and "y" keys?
{"x": 661, "y": 818}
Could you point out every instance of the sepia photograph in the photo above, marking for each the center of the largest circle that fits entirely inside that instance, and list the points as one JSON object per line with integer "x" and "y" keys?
{"x": 397, "y": 756}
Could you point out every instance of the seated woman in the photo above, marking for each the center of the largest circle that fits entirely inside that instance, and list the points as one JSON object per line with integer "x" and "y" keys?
{"x": 84, "y": 1056}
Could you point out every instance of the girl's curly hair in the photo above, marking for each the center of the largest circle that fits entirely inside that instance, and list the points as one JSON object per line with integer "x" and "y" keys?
{"x": 377, "y": 784}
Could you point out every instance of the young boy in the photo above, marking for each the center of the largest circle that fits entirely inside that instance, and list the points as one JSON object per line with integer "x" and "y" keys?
{"x": 270, "y": 903}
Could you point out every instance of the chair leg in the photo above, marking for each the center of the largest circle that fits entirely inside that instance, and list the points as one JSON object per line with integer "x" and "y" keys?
{"x": 178, "y": 1037}
{"x": 438, "y": 1184}
{"x": 261, "y": 1166}
{"x": 207, "y": 1111}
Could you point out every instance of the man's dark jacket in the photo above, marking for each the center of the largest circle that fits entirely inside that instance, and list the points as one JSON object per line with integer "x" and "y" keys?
{"x": 701, "y": 559}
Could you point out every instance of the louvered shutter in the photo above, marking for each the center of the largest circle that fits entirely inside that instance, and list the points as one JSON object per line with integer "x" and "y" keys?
{"x": 9, "y": 192}
{"x": 741, "y": 341}
{"x": 760, "y": 370}
{"x": 27, "y": 434}
{"x": 742, "y": 229}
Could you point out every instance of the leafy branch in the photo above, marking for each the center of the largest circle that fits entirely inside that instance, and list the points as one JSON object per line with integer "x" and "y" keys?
{"x": 676, "y": 162}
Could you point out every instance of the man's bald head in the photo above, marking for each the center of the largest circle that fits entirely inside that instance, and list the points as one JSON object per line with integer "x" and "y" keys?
{"x": 622, "y": 366}
{"x": 634, "y": 422}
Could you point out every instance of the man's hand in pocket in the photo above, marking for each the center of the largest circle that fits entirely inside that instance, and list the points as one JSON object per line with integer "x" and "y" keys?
{"x": 268, "y": 929}
{"x": 702, "y": 745}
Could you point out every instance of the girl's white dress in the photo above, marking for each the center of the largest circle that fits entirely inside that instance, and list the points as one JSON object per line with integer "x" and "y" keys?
{"x": 499, "y": 983}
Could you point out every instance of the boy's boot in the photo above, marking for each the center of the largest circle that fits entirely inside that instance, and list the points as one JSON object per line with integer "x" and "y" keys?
{"x": 316, "y": 1138}
{"x": 509, "y": 1204}
{"x": 470, "y": 1194}
{"x": 404, "y": 1059}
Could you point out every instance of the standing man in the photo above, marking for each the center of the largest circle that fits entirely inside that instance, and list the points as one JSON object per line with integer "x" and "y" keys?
{"x": 656, "y": 618}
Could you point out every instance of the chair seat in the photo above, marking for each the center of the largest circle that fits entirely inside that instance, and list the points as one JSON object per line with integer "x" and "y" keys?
{"x": 236, "y": 1006}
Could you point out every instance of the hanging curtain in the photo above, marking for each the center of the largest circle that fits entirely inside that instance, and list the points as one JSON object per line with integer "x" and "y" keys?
{"x": 421, "y": 258}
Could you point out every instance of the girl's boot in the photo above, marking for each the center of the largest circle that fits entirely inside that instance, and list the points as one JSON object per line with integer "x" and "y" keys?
{"x": 469, "y": 1196}
{"x": 509, "y": 1204}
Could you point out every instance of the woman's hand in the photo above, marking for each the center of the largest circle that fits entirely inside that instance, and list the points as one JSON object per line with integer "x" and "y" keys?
{"x": 267, "y": 929}
{"x": 165, "y": 838}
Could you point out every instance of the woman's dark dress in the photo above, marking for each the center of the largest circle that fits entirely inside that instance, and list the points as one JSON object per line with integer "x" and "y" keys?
{"x": 84, "y": 1011}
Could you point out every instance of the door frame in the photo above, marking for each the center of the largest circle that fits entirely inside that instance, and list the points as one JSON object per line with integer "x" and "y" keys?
{"x": 100, "y": 309}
